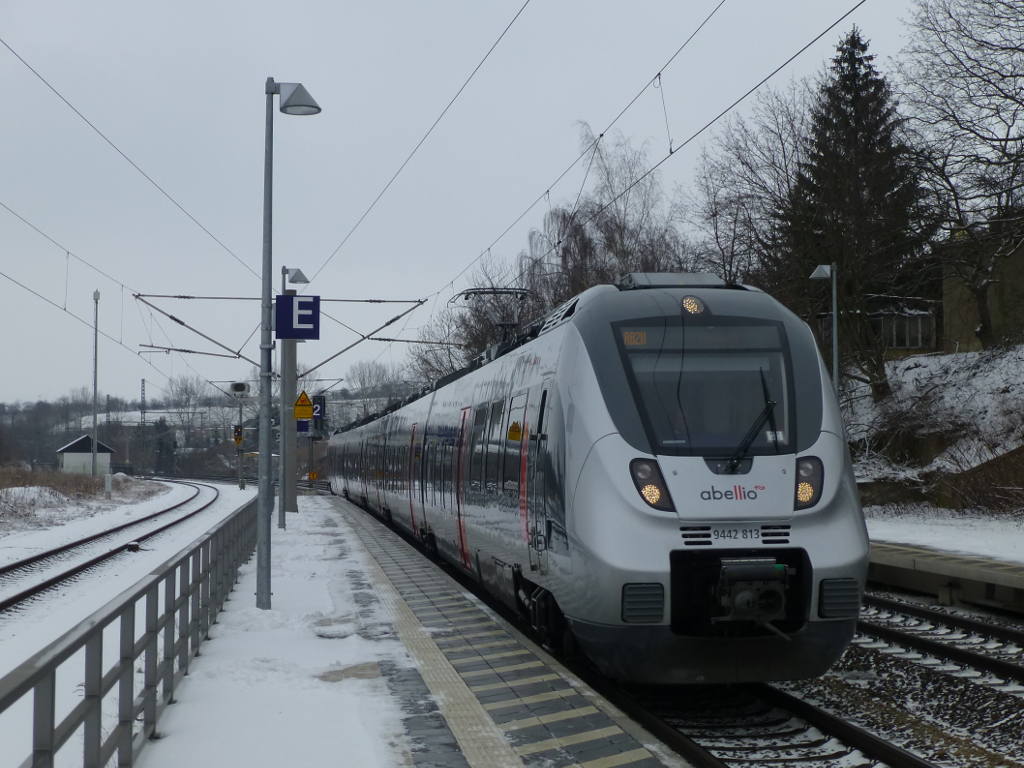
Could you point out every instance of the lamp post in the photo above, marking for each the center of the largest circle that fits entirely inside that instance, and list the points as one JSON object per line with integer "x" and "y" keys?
{"x": 286, "y": 483}
{"x": 294, "y": 100}
{"x": 95, "y": 366}
{"x": 826, "y": 272}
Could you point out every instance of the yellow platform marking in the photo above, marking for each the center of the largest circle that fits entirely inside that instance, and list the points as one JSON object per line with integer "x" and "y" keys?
{"x": 478, "y": 737}
{"x": 623, "y": 758}
{"x": 489, "y": 656}
{"x": 537, "y": 698}
{"x": 567, "y": 741}
{"x": 471, "y": 636}
{"x": 467, "y": 622}
{"x": 496, "y": 670}
{"x": 447, "y": 610}
{"x": 513, "y": 683}
{"x": 554, "y": 717}
{"x": 414, "y": 602}
{"x": 477, "y": 646}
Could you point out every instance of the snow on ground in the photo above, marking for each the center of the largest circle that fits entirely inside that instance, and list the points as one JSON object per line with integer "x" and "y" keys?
{"x": 54, "y": 613}
{"x": 981, "y": 394}
{"x": 300, "y": 685}
{"x": 41, "y": 518}
{"x": 296, "y": 685}
{"x": 965, "y": 532}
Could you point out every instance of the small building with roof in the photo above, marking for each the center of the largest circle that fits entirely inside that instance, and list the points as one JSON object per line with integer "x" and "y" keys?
{"x": 76, "y": 456}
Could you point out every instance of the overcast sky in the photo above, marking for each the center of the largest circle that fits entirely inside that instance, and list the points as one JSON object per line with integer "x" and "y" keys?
{"x": 178, "y": 87}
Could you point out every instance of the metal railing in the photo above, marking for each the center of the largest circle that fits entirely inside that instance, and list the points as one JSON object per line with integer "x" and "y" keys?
{"x": 161, "y": 621}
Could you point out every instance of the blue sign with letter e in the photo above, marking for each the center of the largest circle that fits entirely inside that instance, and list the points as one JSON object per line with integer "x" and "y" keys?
{"x": 298, "y": 317}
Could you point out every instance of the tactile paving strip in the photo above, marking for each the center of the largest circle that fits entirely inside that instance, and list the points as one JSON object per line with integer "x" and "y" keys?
{"x": 505, "y": 702}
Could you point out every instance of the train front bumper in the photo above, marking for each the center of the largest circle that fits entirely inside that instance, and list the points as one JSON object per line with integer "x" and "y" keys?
{"x": 657, "y": 655}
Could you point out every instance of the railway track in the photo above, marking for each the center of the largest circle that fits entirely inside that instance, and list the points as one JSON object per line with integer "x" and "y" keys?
{"x": 966, "y": 642}
{"x": 750, "y": 725}
{"x": 52, "y": 567}
{"x": 755, "y": 725}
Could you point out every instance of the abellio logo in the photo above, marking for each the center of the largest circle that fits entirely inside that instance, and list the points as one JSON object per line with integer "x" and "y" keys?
{"x": 736, "y": 493}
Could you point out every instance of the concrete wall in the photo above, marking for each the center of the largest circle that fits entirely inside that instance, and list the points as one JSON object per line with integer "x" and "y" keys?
{"x": 1006, "y": 302}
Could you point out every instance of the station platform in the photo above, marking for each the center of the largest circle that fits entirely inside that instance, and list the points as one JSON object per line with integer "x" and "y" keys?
{"x": 465, "y": 687}
{"x": 952, "y": 577}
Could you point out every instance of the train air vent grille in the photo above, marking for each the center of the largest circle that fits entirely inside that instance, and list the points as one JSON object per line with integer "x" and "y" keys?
{"x": 696, "y": 535}
{"x": 643, "y": 603}
{"x": 775, "y": 534}
{"x": 839, "y": 599}
{"x": 557, "y": 316}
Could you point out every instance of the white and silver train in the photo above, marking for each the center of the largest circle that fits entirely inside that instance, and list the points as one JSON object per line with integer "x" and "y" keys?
{"x": 656, "y": 475}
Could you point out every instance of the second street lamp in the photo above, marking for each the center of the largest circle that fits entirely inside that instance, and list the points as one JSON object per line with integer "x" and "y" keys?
{"x": 286, "y": 491}
{"x": 295, "y": 100}
{"x": 826, "y": 272}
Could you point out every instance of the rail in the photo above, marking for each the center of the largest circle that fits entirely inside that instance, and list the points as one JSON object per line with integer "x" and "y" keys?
{"x": 180, "y": 601}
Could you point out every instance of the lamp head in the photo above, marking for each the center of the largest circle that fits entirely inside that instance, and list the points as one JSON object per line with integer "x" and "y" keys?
{"x": 295, "y": 275}
{"x": 295, "y": 100}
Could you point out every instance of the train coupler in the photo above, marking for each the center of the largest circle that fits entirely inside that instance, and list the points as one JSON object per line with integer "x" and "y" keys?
{"x": 751, "y": 589}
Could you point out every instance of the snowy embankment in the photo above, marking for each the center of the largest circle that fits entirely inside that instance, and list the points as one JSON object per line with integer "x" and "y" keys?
{"x": 960, "y": 409}
{"x": 947, "y": 414}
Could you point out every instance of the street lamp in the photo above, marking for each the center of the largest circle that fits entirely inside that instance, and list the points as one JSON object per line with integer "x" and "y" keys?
{"x": 286, "y": 484}
{"x": 294, "y": 100}
{"x": 95, "y": 365}
{"x": 826, "y": 272}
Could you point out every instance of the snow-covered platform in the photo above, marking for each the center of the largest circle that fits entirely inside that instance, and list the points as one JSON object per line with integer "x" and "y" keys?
{"x": 951, "y": 576}
{"x": 372, "y": 656}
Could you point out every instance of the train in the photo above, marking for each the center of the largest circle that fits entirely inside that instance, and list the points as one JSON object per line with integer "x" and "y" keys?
{"x": 654, "y": 476}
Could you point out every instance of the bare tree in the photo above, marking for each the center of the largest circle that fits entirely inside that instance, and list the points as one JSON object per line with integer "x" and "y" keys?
{"x": 744, "y": 182}
{"x": 441, "y": 354}
{"x": 377, "y": 384}
{"x": 186, "y": 396}
{"x": 963, "y": 77}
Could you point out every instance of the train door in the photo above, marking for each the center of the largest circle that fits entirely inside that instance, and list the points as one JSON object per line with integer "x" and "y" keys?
{"x": 460, "y": 495}
{"x": 363, "y": 471}
{"x": 535, "y": 449}
{"x": 413, "y": 478}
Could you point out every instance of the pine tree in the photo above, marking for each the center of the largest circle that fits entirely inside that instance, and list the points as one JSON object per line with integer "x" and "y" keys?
{"x": 857, "y": 202}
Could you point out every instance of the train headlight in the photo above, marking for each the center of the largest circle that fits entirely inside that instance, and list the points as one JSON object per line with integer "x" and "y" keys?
{"x": 650, "y": 484}
{"x": 692, "y": 305}
{"x": 810, "y": 476}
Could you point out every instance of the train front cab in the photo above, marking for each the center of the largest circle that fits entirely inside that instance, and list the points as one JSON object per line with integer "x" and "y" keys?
{"x": 726, "y": 533}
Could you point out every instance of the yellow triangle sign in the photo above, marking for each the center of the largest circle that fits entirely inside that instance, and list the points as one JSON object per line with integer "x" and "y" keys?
{"x": 304, "y": 399}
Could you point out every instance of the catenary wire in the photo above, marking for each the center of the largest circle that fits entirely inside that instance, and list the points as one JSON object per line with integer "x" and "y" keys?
{"x": 114, "y": 280}
{"x": 67, "y": 251}
{"x": 425, "y": 136}
{"x": 131, "y": 162}
{"x": 82, "y": 320}
{"x": 590, "y": 148}
{"x": 700, "y": 131}
{"x": 672, "y": 152}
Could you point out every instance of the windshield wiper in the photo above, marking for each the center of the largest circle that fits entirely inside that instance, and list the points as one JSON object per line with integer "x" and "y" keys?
{"x": 766, "y": 413}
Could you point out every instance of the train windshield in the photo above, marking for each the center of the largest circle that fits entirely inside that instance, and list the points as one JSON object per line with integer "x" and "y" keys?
{"x": 701, "y": 387}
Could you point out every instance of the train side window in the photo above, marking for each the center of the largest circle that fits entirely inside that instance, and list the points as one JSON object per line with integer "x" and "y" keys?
{"x": 449, "y": 477}
{"x": 514, "y": 430}
{"x": 442, "y": 479}
{"x": 477, "y": 446}
{"x": 493, "y": 450}
{"x": 435, "y": 472}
